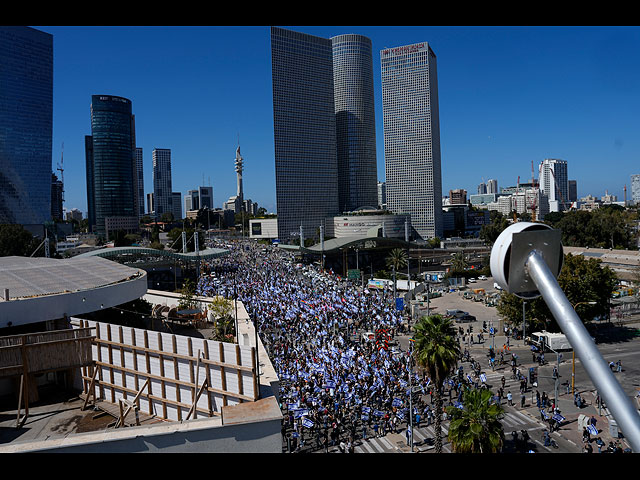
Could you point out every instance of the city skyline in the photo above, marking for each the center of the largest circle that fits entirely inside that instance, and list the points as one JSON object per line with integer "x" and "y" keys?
{"x": 508, "y": 96}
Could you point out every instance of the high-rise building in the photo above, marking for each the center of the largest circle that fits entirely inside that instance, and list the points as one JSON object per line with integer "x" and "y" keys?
{"x": 192, "y": 200}
{"x": 554, "y": 181}
{"x": 176, "y": 205}
{"x": 412, "y": 136}
{"x": 26, "y": 124}
{"x": 205, "y": 195}
{"x": 150, "y": 206}
{"x": 382, "y": 195}
{"x": 56, "y": 197}
{"x": 140, "y": 173}
{"x": 304, "y": 132}
{"x": 355, "y": 121}
{"x": 573, "y": 191}
{"x": 458, "y": 196}
{"x": 111, "y": 165}
{"x": 635, "y": 189}
{"x": 492, "y": 186}
{"x": 162, "y": 198}
{"x": 482, "y": 189}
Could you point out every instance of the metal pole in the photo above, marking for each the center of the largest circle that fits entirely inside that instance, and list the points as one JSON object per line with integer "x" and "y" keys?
{"x": 524, "y": 322}
{"x": 617, "y": 401}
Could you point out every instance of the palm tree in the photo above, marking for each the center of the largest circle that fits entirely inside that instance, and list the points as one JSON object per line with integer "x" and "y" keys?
{"x": 458, "y": 262}
{"x": 476, "y": 428}
{"x": 397, "y": 259}
{"x": 437, "y": 351}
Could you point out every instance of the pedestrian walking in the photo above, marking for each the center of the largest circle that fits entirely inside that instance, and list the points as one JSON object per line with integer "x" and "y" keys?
{"x": 509, "y": 398}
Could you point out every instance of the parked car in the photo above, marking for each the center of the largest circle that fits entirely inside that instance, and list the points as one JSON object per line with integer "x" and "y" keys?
{"x": 482, "y": 277}
{"x": 465, "y": 318}
{"x": 472, "y": 280}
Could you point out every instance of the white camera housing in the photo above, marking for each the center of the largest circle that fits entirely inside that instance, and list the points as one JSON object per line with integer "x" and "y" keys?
{"x": 510, "y": 251}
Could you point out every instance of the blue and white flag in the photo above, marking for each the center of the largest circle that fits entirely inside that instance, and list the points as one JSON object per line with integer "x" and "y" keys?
{"x": 396, "y": 402}
{"x": 458, "y": 405}
{"x": 378, "y": 413}
{"x": 592, "y": 429}
{"x": 366, "y": 409}
{"x": 307, "y": 422}
{"x": 558, "y": 418}
{"x": 483, "y": 377}
{"x": 544, "y": 414}
{"x": 301, "y": 412}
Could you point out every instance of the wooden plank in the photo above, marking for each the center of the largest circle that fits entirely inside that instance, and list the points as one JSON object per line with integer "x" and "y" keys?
{"x": 148, "y": 365}
{"x": 122, "y": 362}
{"x": 223, "y": 377}
{"x": 111, "y": 374}
{"x": 162, "y": 385}
{"x": 176, "y": 373}
{"x": 208, "y": 373}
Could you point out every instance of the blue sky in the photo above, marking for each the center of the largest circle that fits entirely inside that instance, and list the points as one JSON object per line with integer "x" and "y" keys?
{"x": 508, "y": 96}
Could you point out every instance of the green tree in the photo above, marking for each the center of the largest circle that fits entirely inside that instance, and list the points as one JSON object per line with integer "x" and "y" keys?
{"x": 186, "y": 301}
{"x": 221, "y": 309}
{"x": 397, "y": 259}
{"x": 437, "y": 351}
{"x": 477, "y": 428}
{"x": 16, "y": 240}
{"x": 498, "y": 222}
{"x": 458, "y": 263}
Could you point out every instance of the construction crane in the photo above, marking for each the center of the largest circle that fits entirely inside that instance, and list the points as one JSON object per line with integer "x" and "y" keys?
{"x": 61, "y": 170}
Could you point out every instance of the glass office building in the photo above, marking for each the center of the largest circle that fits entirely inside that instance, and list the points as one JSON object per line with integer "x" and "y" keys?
{"x": 111, "y": 163}
{"x": 412, "y": 136}
{"x": 26, "y": 125}
{"x": 355, "y": 122}
{"x": 162, "y": 186}
{"x": 304, "y": 132}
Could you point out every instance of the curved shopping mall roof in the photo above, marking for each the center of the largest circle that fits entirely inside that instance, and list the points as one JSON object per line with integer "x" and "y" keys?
{"x": 145, "y": 251}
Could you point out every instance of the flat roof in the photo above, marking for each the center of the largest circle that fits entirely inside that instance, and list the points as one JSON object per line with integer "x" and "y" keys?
{"x": 27, "y": 277}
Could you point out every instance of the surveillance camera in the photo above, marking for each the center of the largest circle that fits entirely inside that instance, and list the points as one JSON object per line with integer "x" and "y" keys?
{"x": 511, "y": 249}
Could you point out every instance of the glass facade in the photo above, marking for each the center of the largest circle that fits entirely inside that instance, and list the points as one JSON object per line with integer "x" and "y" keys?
{"x": 304, "y": 132}
{"x": 355, "y": 122}
{"x": 26, "y": 125}
{"x": 412, "y": 136}
{"x": 140, "y": 179}
{"x": 111, "y": 167}
{"x": 162, "y": 188}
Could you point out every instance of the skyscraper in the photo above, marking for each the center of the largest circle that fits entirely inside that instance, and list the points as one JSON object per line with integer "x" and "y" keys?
{"x": 635, "y": 189}
{"x": 412, "y": 136}
{"x": 162, "y": 198}
{"x": 554, "y": 181}
{"x": 304, "y": 132}
{"x": 355, "y": 121}
{"x": 26, "y": 124}
{"x": 140, "y": 173}
{"x": 111, "y": 165}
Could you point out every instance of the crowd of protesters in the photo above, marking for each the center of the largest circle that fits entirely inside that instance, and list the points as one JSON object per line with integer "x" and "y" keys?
{"x": 338, "y": 384}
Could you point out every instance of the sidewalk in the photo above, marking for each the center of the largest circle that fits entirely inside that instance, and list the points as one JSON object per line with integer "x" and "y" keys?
{"x": 569, "y": 429}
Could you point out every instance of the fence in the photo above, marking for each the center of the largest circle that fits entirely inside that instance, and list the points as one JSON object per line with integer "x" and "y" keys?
{"x": 169, "y": 376}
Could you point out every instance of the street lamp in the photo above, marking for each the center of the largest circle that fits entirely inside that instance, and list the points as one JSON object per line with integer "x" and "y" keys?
{"x": 573, "y": 362}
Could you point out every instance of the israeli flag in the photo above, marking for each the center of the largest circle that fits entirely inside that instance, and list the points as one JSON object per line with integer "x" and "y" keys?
{"x": 558, "y": 418}
{"x": 378, "y": 413}
{"x": 592, "y": 429}
{"x": 365, "y": 418}
{"x": 483, "y": 377}
{"x": 396, "y": 402}
{"x": 307, "y": 423}
{"x": 366, "y": 409}
{"x": 544, "y": 414}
